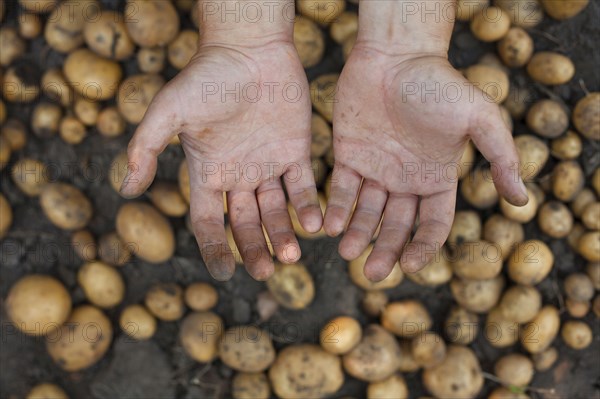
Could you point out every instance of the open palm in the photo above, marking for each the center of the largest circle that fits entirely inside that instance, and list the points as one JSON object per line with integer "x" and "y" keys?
{"x": 400, "y": 129}
{"x": 243, "y": 118}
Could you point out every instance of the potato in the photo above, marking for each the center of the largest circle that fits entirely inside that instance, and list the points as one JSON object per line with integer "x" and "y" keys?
{"x": 550, "y": 68}
{"x": 576, "y": 233}
{"x": 530, "y": 262}
{"x": 113, "y": 250}
{"x": 142, "y": 18}
{"x": 375, "y": 358}
{"x": 499, "y": 331}
{"x": 82, "y": 341}
{"x": 65, "y": 206}
{"x": 465, "y": 228}
{"x": 305, "y": 371}
{"x": 165, "y": 301}
{"x": 137, "y": 322}
{"x": 356, "y": 271}
{"x": 567, "y": 147}
{"x": 147, "y": 231}
{"x": 343, "y": 27}
{"x": 322, "y": 93}
{"x": 591, "y": 216}
{"x": 250, "y": 386}
{"x": 323, "y": 12}
{"x": 514, "y": 369}
{"x": 544, "y": 360}
{"x": 458, "y": 376}
{"x": 30, "y": 25}
{"x": 107, "y": 36}
{"x": 581, "y": 201}
{"x": 71, "y": 130}
{"x": 309, "y": 41}
{"x": 30, "y": 176}
{"x": 110, "y": 123}
{"x": 533, "y": 155}
{"x": 292, "y": 285}
{"x": 181, "y": 50}
{"x": 428, "y": 349}
{"x": 340, "y": 335}
{"x": 246, "y": 348}
{"x": 45, "y": 119}
{"x": 64, "y": 29}
{"x": 521, "y": 214}
{"x": 46, "y": 391}
{"x": 38, "y": 304}
{"x": 38, "y": 6}
{"x": 577, "y": 334}
{"x": 467, "y": 9}
{"x": 507, "y": 393}
{"x": 135, "y": 94}
{"x": 201, "y": 297}
{"x": 586, "y": 116}
{"x": 374, "y": 301}
{"x": 478, "y": 189}
{"x": 407, "y": 363}
{"x": 102, "y": 284}
{"x": 538, "y": 334}
{"x": 479, "y": 260}
{"x": 579, "y": 286}
{"x": 151, "y": 59}
{"x": 200, "y": 334}
{"x": 548, "y": 118}
{"x": 167, "y": 198}
{"x": 567, "y": 180}
{"x": 517, "y": 102}
{"x": 321, "y": 136}
{"x": 86, "y": 110}
{"x": 56, "y": 88}
{"x": 577, "y": 309}
{"x": 555, "y": 219}
{"x": 477, "y": 296}
{"x": 520, "y": 303}
{"x": 537, "y": 191}
{"x": 593, "y": 272}
{"x": 523, "y": 13}
{"x": 92, "y": 76}
{"x": 461, "y": 326}
{"x": 437, "y": 272}
{"x": 407, "y": 318}
{"x": 492, "y": 81}
{"x": 20, "y": 83}
{"x": 392, "y": 387}
{"x": 14, "y": 133}
{"x": 564, "y": 9}
{"x": 12, "y": 46}
{"x": 84, "y": 245}
{"x": 490, "y": 25}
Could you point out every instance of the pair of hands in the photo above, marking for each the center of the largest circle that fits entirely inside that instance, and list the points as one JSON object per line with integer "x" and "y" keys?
{"x": 243, "y": 117}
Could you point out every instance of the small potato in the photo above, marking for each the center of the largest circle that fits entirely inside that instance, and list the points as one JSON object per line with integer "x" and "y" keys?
{"x": 374, "y": 301}
{"x": 478, "y": 189}
{"x": 86, "y": 111}
{"x": 555, "y": 219}
{"x": 467, "y": 9}
{"x": 46, "y": 391}
{"x": 168, "y": 199}
{"x": 550, "y": 68}
{"x": 117, "y": 170}
{"x": 458, "y": 376}
{"x": 567, "y": 180}
{"x": 567, "y": 147}
{"x": 492, "y": 81}
{"x": 375, "y": 358}
{"x": 113, "y": 250}
{"x": 344, "y": 27}
{"x": 321, "y": 136}
{"x": 137, "y": 322}
{"x": 406, "y": 318}
{"x": 92, "y": 76}
{"x": 479, "y": 260}
{"x": 165, "y": 301}
{"x": 340, "y": 335}
{"x": 322, "y": 94}
{"x": 135, "y": 94}
{"x": 56, "y": 88}
{"x": 593, "y": 272}
{"x": 516, "y": 48}
{"x": 564, "y": 9}
{"x": 305, "y": 371}
{"x": 533, "y": 155}
{"x": 309, "y": 41}
{"x": 110, "y": 123}
{"x": 392, "y": 387}
{"x": 107, "y": 36}
{"x": 523, "y": 13}
{"x": 544, "y": 360}
{"x": 250, "y": 386}
{"x": 30, "y": 25}
{"x": 581, "y": 201}
{"x": 151, "y": 59}
{"x": 520, "y": 303}
{"x": 577, "y": 334}
{"x": 143, "y": 17}
{"x": 200, "y": 334}
{"x": 102, "y": 284}
{"x": 491, "y": 24}
{"x": 514, "y": 370}
{"x": 548, "y": 118}
{"x": 38, "y": 305}
{"x": 577, "y": 309}
{"x": 461, "y": 326}
{"x": 148, "y": 233}
{"x": 292, "y": 285}
{"x": 428, "y": 349}
{"x": 71, "y": 130}
{"x": 20, "y": 83}
{"x": 323, "y": 12}
{"x": 82, "y": 341}
{"x": 465, "y": 228}
{"x": 181, "y": 50}
{"x": 14, "y": 132}
{"x": 246, "y": 348}
{"x": 477, "y": 296}
{"x": 45, "y": 119}
{"x": 586, "y": 116}
{"x": 65, "y": 206}
{"x": 30, "y": 176}
{"x": 84, "y": 245}
{"x": 530, "y": 262}
{"x": 521, "y": 214}
{"x": 12, "y": 46}
{"x": 591, "y": 216}
{"x": 437, "y": 272}
{"x": 499, "y": 331}
{"x": 538, "y": 334}
{"x": 201, "y": 297}
{"x": 579, "y": 286}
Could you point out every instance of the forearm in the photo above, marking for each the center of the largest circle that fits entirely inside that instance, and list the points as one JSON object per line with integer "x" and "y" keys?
{"x": 401, "y": 27}
{"x": 246, "y": 22}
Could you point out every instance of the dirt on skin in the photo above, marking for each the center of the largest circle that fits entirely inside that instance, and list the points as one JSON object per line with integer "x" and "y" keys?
{"x": 159, "y": 367}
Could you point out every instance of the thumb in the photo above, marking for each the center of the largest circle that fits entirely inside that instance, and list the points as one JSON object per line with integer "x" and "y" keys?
{"x": 152, "y": 135}
{"x": 493, "y": 139}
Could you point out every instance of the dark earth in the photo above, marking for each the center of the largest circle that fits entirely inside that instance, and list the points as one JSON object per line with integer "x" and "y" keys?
{"x": 159, "y": 368}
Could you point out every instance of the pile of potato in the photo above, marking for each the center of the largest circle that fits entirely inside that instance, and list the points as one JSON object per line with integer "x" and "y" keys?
{"x": 114, "y": 65}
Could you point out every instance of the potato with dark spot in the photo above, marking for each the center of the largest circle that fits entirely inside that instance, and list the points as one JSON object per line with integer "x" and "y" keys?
{"x": 550, "y": 68}
{"x": 250, "y": 386}
{"x": 407, "y": 318}
{"x": 151, "y": 23}
{"x": 466, "y": 227}
{"x": 165, "y": 301}
{"x": 461, "y": 326}
{"x": 107, "y": 36}
{"x": 322, "y": 94}
{"x": 65, "y": 206}
{"x": 292, "y": 285}
{"x": 577, "y": 334}
{"x": 246, "y": 348}
{"x": 477, "y": 296}
{"x": 567, "y": 180}
{"x": 548, "y": 118}
{"x": 555, "y": 219}
{"x": 181, "y": 50}
{"x": 309, "y": 41}
{"x": 516, "y": 48}
{"x": 458, "y": 376}
{"x": 538, "y": 334}
{"x": 586, "y": 116}
{"x": 200, "y": 334}
{"x": 151, "y": 59}
{"x": 71, "y": 130}
{"x": 113, "y": 250}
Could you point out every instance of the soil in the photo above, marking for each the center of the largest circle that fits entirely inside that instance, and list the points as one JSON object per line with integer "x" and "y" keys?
{"x": 159, "y": 368}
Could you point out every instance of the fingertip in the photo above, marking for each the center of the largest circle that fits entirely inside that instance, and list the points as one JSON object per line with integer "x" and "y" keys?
{"x": 262, "y": 271}
{"x": 290, "y": 253}
{"x": 349, "y": 248}
{"x": 311, "y": 219}
{"x": 222, "y": 271}
{"x": 376, "y": 272}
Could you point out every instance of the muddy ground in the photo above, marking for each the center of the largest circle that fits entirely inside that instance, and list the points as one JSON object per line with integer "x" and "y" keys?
{"x": 159, "y": 368}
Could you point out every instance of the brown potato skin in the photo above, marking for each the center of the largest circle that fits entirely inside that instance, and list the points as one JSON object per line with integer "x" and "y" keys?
{"x": 309, "y": 41}
{"x": 200, "y": 334}
{"x": 108, "y": 37}
{"x": 165, "y": 301}
{"x": 550, "y": 68}
{"x": 143, "y": 17}
{"x": 66, "y": 206}
{"x": 564, "y": 9}
{"x": 135, "y": 94}
{"x": 246, "y": 348}
{"x": 93, "y": 77}
{"x": 460, "y": 364}
{"x": 586, "y": 116}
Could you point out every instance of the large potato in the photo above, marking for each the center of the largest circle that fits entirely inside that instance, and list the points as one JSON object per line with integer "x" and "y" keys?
{"x": 530, "y": 262}
{"x": 357, "y": 274}
{"x": 151, "y": 23}
{"x": 246, "y": 348}
{"x": 538, "y": 334}
{"x": 564, "y": 9}
{"x": 38, "y": 304}
{"x": 548, "y": 118}
{"x": 586, "y": 116}
{"x": 250, "y": 386}
{"x": 92, "y": 76}
{"x": 567, "y": 180}
{"x": 107, "y": 36}
{"x": 305, "y": 372}
{"x": 392, "y": 387}
{"x": 64, "y": 29}
{"x": 165, "y": 301}
{"x": 550, "y": 68}
{"x": 479, "y": 260}
{"x": 458, "y": 376}
{"x": 406, "y": 318}
{"x": 292, "y": 285}
{"x": 520, "y": 303}
{"x": 102, "y": 284}
{"x": 516, "y": 48}
{"x": 492, "y": 81}
{"x": 309, "y": 41}
{"x": 66, "y": 206}
{"x": 200, "y": 334}
{"x": 477, "y": 296}
{"x": 82, "y": 340}
{"x": 147, "y": 232}
{"x": 135, "y": 94}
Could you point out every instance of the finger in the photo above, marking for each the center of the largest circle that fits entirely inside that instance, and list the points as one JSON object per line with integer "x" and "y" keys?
{"x": 244, "y": 219}
{"x": 496, "y": 143}
{"x": 436, "y": 213}
{"x": 300, "y": 185}
{"x": 276, "y": 219}
{"x": 365, "y": 220}
{"x": 151, "y": 137}
{"x": 397, "y": 224}
{"x": 345, "y": 184}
